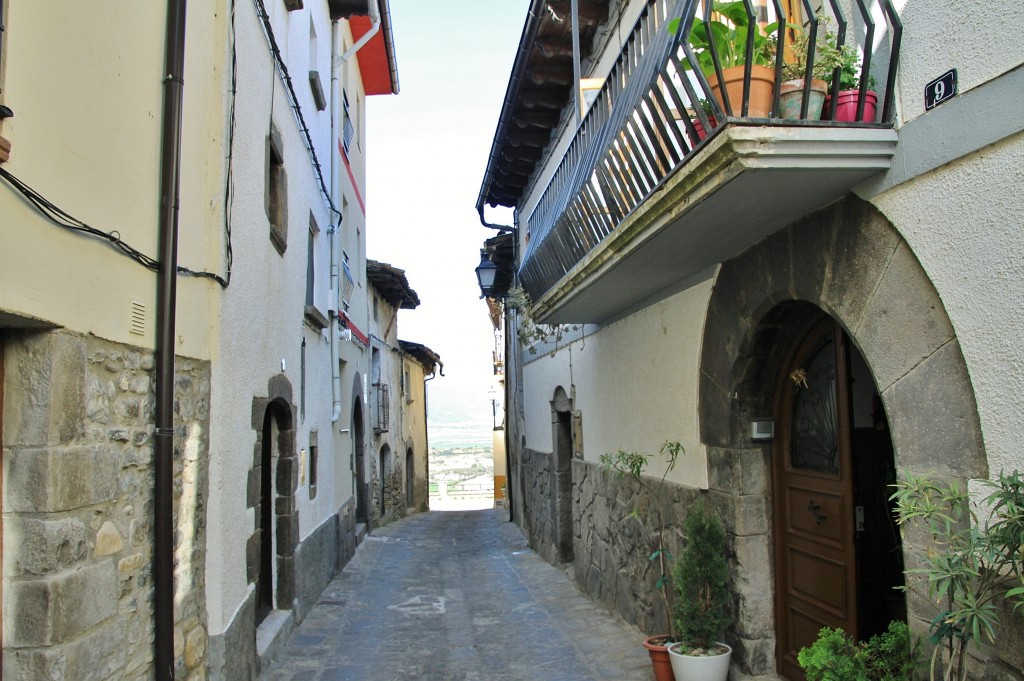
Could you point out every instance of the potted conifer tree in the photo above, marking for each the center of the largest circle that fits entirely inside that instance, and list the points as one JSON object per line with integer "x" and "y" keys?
{"x": 702, "y": 600}
{"x": 632, "y": 464}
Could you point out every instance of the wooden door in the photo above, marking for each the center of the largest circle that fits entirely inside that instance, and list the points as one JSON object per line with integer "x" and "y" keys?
{"x": 816, "y": 583}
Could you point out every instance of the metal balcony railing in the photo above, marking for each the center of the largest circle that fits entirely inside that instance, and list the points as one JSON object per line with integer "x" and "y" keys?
{"x": 647, "y": 121}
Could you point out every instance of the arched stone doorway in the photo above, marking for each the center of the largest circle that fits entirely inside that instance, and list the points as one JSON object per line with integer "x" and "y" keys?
{"x": 848, "y": 264}
{"x": 410, "y": 467}
{"x": 359, "y": 445}
{"x": 272, "y": 486}
{"x": 384, "y": 470}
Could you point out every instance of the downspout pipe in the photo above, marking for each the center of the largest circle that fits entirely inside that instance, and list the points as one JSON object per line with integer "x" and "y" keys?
{"x": 533, "y": 19}
{"x": 166, "y": 297}
{"x": 335, "y": 302}
{"x": 374, "y": 9}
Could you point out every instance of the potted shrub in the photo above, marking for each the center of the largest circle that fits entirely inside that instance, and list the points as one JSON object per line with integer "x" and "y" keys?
{"x": 848, "y": 96}
{"x": 834, "y": 656}
{"x": 698, "y": 127}
{"x": 729, "y": 38}
{"x": 976, "y": 561}
{"x": 827, "y": 58}
{"x": 632, "y": 464}
{"x": 702, "y": 600}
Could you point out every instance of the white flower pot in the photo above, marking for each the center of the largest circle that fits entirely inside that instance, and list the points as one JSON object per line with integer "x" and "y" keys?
{"x": 702, "y": 667}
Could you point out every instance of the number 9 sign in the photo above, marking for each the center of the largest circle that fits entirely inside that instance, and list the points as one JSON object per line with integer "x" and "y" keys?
{"x": 940, "y": 89}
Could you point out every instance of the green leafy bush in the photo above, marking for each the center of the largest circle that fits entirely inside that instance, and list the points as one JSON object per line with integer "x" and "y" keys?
{"x": 890, "y": 656}
{"x": 974, "y": 563}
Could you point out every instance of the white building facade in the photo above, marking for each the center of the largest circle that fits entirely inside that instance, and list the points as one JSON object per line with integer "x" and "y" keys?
{"x": 270, "y": 336}
{"x": 695, "y": 282}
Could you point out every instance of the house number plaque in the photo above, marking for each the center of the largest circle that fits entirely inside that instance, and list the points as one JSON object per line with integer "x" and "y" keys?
{"x": 940, "y": 89}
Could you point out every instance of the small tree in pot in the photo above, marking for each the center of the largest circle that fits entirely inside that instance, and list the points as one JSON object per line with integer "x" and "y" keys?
{"x": 632, "y": 464}
{"x": 702, "y": 599}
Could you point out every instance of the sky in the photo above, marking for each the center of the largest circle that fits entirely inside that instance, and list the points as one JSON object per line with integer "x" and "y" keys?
{"x": 427, "y": 150}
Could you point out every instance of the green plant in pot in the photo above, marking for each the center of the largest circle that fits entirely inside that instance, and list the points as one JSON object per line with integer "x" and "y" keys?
{"x": 632, "y": 465}
{"x": 828, "y": 57}
{"x": 702, "y": 599}
{"x": 975, "y": 563}
{"x": 892, "y": 655}
{"x": 848, "y": 96}
{"x": 699, "y": 130}
{"x": 727, "y": 38}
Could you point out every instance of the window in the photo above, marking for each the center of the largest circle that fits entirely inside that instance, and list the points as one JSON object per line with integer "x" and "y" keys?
{"x": 311, "y": 260}
{"x": 276, "y": 195}
{"x": 314, "y": 317}
{"x": 313, "y": 450}
{"x": 349, "y": 129}
{"x": 315, "y": 84}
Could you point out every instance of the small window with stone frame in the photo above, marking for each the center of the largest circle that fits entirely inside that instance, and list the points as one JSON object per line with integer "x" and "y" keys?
{"x": 276, "y": 202}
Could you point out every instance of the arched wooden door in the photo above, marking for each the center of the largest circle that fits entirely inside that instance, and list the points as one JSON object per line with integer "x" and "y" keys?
{"x": 815, "y": 551}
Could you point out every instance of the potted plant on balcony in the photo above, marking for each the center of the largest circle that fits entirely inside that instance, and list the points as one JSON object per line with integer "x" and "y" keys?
{"x": 702, "y": 603}
{"x": 828, "y": 57}
{"x": 632, "y": 464}
{"x": 698, "y": 127}
{"x": 849, "y": 90}
{"x": 729, "y": 41}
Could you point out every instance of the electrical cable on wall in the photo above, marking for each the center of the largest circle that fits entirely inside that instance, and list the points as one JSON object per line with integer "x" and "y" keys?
{"x": 293, "y": 101}
{"x": 67, "y": 221}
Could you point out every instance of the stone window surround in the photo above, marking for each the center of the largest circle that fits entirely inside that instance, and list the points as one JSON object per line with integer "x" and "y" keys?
{"x": 276, "y": 190}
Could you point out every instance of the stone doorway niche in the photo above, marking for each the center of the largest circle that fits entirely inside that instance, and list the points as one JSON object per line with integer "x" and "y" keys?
{"x": 385, "y": 472}
{"x": 409, "y": 471}
{"x": 359, "y": 433}
{"x": 561, "y": 425}
{"x": 848, "y": 262}
{"x": 272, "y": 485}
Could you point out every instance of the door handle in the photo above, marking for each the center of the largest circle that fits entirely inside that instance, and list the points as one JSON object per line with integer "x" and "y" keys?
{"x": 815, "y": 509}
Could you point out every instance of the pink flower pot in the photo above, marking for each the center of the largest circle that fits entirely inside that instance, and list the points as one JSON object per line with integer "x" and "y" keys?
{"x": 846, "y": 106}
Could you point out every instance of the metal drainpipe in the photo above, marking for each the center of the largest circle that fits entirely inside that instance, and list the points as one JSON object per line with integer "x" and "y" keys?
{"x": 374, "y": 11}
{"x": 163, "y": 460}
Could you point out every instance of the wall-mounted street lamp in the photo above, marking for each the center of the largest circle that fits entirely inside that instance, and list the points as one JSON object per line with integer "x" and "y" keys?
{"x": 486, "y": 272}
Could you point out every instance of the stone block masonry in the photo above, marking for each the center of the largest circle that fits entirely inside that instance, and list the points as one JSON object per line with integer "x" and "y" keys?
{"x": 78, "y": 496}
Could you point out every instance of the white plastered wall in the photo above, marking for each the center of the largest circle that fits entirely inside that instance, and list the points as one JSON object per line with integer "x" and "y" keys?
{"x": 635, "y": 382}
{"x": 261, "y": 314}
{"x": 964, "y": 223}
{"x": 86, "y": 84}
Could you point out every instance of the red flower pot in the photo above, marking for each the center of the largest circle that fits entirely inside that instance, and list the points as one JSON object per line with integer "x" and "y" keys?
{"x": 701, "y": 132}
{"x": 846, "y": 106}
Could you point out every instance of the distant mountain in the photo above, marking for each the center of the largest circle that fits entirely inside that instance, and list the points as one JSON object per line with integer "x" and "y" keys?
{"x": 458, "y": 416}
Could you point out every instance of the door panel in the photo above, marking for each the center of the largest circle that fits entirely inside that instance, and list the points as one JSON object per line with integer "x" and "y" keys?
{"x": 816, "y": 583}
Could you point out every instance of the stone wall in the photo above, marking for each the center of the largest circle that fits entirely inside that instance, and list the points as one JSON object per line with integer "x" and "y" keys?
{"x": 612, "y": 545}
{"x": 78, "y": 490}
{"x": 537, "y": 511}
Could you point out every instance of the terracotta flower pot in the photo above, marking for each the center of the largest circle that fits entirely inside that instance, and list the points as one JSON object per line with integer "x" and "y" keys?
{"x": 762, "y": 85}
{"x": 657, "y": 648}
{"x": 791, "y": 96}
{"x": 846, "y": 106}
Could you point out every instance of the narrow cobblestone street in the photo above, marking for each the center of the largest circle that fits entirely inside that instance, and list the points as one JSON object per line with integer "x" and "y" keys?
{"x": 457, "y": 596}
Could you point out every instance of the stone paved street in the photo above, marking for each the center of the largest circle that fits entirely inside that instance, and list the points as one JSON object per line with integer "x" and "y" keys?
{"x": 457, "y": 596}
